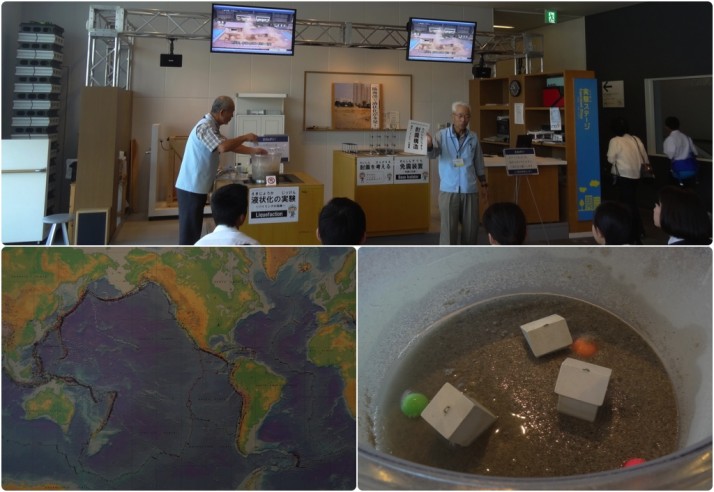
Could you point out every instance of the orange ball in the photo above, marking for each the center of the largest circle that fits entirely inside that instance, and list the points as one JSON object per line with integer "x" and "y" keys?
{"x": 584, "y": 347}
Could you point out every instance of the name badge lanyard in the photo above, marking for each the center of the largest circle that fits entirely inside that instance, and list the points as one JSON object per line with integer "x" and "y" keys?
{"x": 458, "y": 160}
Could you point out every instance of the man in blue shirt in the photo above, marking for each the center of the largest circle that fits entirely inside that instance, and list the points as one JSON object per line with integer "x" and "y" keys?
{"x": 460, "y": 167}
{"x": 200, "y": 164}
{"x": 681, "y": 151}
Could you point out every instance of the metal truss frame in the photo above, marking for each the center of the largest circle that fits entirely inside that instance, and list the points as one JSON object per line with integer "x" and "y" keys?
{"x": 112, "y": 29}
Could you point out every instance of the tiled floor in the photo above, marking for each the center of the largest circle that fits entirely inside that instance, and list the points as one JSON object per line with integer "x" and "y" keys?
{"x": 137, "y": 230}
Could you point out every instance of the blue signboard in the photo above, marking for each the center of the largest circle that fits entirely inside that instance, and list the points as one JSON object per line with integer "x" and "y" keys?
{"x": 589, "y": 191}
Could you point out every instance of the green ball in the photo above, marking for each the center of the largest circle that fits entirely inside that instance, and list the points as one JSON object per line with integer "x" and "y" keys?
{"x": 413, "y": 404}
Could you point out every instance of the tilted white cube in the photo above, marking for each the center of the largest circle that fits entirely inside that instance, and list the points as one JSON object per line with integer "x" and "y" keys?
{"x": 456, "y": 416}
{"x": 547, "y": 334}
{"x": 581, "y": 388}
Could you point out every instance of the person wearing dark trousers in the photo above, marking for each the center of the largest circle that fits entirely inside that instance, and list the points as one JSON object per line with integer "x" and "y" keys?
{"x": 625, "y": 153}
{"x": 462, "y": 175}
{"x": 200, "y": 163}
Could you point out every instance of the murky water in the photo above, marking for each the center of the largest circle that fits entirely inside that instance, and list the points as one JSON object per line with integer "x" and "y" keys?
{"x": 482, "y": 352}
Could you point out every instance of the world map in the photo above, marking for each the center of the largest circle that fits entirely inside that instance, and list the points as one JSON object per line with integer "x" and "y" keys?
{"x": 178, "y": 369}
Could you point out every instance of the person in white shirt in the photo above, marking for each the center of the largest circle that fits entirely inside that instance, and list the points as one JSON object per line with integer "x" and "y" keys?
{"x": 229, "y": 206}
{"x": 681, "y": 151}
{"x": 626, "y": 152}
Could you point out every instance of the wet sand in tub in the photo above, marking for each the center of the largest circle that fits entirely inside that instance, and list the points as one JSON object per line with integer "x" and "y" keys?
{"x": 482, "y": 352}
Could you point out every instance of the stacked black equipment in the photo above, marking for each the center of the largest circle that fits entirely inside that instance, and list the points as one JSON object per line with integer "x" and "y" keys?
{"x": 37, "y": 97}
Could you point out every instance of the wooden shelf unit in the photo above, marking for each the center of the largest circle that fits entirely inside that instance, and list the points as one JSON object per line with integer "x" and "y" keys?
{"x": 102, "y": 135}
{"x": 490, "y": 98}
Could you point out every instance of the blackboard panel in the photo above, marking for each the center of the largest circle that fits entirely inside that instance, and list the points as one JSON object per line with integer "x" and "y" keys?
{"x": 91, "y": 227}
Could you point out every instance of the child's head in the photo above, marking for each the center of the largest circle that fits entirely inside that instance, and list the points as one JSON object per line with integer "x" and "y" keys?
{"x": 505, "y": 224}
{"x": 229, "y": 205}
{"x": 342, "y": 221}
{"x": 612, "y": 224}
{"x": 680, "y": 213}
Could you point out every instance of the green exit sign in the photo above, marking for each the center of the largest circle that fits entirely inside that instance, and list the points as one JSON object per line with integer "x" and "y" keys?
{"x": 551, "y": 16}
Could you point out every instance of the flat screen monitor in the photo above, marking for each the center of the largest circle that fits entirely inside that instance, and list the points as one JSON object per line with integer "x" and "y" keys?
{"x": 440, "y": 40}
{"x": 252, "y": 30}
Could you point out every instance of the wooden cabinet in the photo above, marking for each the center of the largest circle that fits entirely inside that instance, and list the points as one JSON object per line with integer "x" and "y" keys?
{"x": 104, "y": 132}
{"x": 259, "y": 113}
{"x": 492, "y": 99}
{"x": 261, "y": 124}
{"x": 389, "y": 208}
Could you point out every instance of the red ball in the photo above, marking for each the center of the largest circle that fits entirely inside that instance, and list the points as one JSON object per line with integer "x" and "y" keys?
{"x": 633, "y": 462}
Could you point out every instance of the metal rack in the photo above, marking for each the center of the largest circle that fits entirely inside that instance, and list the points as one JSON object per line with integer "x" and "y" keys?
{"x": 37, "y": 96}
{"x": 112, "y": 29}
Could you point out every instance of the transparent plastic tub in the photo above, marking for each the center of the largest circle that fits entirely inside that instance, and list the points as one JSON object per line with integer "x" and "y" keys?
{"x": 263, "y": 165}
{"x": 663, "y": 293}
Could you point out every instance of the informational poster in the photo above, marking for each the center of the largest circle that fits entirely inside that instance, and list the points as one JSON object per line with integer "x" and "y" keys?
{"x": 520, "y": 161}
{"x": 415, "y": 140}
{"x": 410, "y": 169}
{"x": 377, "y": 170}
{"x": 272, "y": 205}
{"x": 555, "y": 121}
{"x": 589, "y": 190}
{"x": 518, "y": 110}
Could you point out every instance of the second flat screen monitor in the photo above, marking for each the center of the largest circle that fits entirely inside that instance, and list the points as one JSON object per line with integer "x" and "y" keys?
{"x": 440, "y": 40}
{"x": 252, "y": 30}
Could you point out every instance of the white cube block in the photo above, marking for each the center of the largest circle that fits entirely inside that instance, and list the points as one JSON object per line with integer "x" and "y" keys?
{"x": 547, "y": 334}
{"x": 456, "y": 416}
{"x": 581, "y": 388}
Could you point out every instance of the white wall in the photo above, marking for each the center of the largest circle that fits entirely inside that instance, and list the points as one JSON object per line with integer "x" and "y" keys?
{"x": 177, "y": 97}
{"x": 564, "y": 46}
{"x": 563, "y": 49}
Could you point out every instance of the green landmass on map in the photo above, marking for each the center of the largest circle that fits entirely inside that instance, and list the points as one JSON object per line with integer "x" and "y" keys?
{"x": 260, "y": 388}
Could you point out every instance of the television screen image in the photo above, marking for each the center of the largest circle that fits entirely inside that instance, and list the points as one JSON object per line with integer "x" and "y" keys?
{"x": 441, "y": 40}
{"x": 252, "y": 30}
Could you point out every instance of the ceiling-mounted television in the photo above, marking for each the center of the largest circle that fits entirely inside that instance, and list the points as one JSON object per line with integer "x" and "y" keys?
{"x": 252, "y": 30}
{"x": 440, "y": 40}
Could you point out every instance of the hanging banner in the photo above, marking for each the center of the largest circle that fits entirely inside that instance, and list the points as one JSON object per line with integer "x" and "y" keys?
{"x": 589, "y": 192}
{"x": 410, "y": 169}
{"x": 375, "y": 94}
{"x": 271, "y": 205}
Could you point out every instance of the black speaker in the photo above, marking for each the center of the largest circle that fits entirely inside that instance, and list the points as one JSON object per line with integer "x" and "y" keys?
{"x": 481, "y": 72}
{"x": 171, "y": 60}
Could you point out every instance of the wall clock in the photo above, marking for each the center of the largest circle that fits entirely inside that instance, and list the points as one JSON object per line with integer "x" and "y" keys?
{"x": 514, "y": 88}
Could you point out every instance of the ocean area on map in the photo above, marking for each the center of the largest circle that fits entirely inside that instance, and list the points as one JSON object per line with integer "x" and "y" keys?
{"x": 123, "y": 396}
